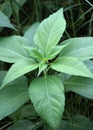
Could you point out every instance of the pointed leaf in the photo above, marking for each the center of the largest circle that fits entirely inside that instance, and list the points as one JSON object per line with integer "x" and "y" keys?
{"x": 11, "y": 49}
{"x": 81, "y": 48}
{"x": 5, "y": 22}
{"x": 71, "y": 66}
{"x": 13, "y": 96}
{"x": 54, "y": 51}
{"x": 18, "y": 69}
{"x": 80, "y": 85}
{"x": 47, "y": 95}
{"x": 35, "y": 53}
{"x": 80, "y": 122}
{"x": 42, "y": 67}
{"x": 29, "y": 34}
{"x": 50, "y": 31}
{"x": 5, "y": 7}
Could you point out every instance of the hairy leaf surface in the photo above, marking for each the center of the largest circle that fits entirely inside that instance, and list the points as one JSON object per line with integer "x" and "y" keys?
{"x": 13, "y": 96}
{"x": 81, "y": 48}
{"x": 80, "y": 85}
{"x": 42, "y": 67}
{"x": 54, "y": 51}
{"x": 18, "y": 69}
{"x": 50, "y": 31}
{"x": 29, "y": 33}
{"x": 71, "y": 66}
{"x": 47, "y": 95}
{"x": 11, "y": 49}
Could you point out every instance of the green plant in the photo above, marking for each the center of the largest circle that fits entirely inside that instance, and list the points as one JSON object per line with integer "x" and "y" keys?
{"x": 46, "y": 91}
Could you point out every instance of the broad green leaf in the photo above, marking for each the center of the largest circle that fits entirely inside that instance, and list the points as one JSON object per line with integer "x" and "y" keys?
{"x": 11, "y": 49}
{"x": 5, "y": 22}
{"x": 54, "y": 51}
{"x": 23, "y": 125}
{"x": 47, "y": 96}
{"x": 29, "y": 34}
{"x": 81, "y": 48}
{"x": 80, "y": 85}
{"x": 50, "y": 31}
{"x": 18, "y": 69}
{"x": 80, "y": 122}
{"x": 25, "y": 112}
{"x": 89, "y": 64}
{"x": 6, "y": 8}
{"x": 72, "y": 66}
{"x": 76, "y": 122}
{"x": 64, "y": 126}
{"x": 13, "y": 96}
{"x": 2, "y": 75}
